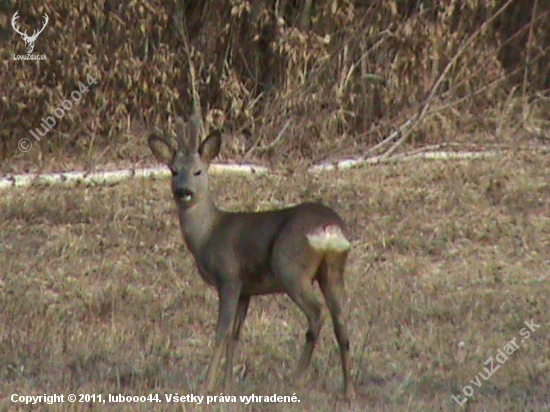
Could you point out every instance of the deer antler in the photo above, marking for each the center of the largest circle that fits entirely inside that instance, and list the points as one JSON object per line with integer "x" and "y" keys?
{"x": 16, "y": 27}
{"x": 36, "y": 33}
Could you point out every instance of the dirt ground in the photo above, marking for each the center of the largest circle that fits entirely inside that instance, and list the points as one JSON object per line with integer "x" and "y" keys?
{"x": 98, "y": 294}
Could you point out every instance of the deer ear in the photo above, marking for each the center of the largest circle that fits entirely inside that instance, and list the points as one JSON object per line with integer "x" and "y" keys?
{"x": 210, "y": 148}
{"x": 161, "y": 147}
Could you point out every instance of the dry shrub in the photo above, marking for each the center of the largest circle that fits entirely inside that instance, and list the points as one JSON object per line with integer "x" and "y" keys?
{"x": 332, "y": 78}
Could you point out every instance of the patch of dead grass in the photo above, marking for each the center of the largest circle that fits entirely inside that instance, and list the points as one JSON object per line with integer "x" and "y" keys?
{"x": 98, "y": 293}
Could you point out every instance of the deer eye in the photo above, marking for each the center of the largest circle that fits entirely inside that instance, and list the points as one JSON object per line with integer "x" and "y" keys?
{"x": 197, "y": 172}
{"x": 174, "y": 172}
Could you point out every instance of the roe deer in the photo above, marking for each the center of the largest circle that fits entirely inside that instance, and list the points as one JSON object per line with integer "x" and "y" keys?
{"x": 244, "y": 254}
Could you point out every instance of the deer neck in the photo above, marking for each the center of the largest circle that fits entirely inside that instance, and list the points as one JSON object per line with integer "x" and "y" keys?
{"x": 197, "y": 222}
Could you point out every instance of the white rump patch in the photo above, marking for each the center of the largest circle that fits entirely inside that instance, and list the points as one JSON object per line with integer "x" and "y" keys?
{"x": 328, "y": 238}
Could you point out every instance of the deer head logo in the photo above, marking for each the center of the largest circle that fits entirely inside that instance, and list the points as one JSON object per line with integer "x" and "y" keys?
{"x": 29, "y": 40}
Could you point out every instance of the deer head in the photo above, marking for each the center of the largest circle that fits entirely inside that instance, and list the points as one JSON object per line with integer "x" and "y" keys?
{"x": 29, "y": 40}
{"x": 188, "y": 162}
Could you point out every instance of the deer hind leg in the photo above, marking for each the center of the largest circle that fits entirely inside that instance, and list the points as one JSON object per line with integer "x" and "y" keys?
{"x": 331, "y": 282}
{"x": 228, "y": 295}
{"x": 303, "y": 295}
{"x": 242, "y": 309}
{"x": 296, "y": 267}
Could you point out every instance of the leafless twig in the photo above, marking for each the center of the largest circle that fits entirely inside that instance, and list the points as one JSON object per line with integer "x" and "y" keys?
{"x": 256, "y": 148}
{"x": 435, "y": 87}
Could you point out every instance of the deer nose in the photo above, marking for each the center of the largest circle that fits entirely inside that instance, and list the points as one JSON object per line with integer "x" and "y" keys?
{"x": 184, "y": 193}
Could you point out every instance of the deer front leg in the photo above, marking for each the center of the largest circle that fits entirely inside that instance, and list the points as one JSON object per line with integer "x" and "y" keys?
{"x": 242, "y": 308}
{"x": 228, "y": 295}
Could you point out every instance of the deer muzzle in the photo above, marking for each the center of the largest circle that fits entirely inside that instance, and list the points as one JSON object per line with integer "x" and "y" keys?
{"x": 184, "y": 194}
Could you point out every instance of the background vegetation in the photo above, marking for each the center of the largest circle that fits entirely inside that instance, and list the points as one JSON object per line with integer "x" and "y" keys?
{"x": 97, "y": 293}
{"x": 307, "y": 78}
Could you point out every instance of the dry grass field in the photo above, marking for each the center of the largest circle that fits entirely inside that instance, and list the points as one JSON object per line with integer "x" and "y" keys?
{"x": 99, "y": 295}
